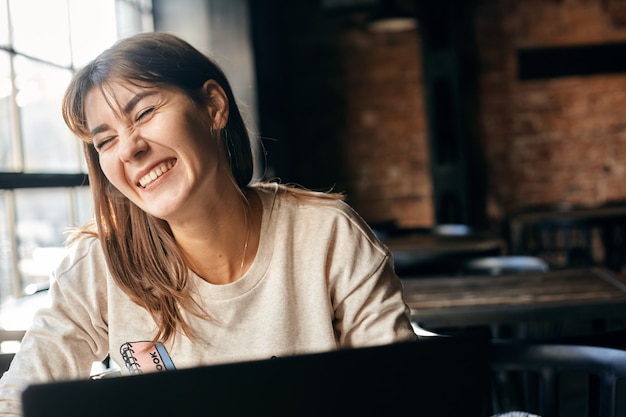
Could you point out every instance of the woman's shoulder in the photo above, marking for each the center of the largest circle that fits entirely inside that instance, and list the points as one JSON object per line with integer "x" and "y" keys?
{"x": 313, "y": 207}
{"x": 301, "y": 201}
{"x": 298, "y": 195}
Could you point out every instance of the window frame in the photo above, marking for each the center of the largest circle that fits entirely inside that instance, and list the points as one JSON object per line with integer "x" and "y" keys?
{"x": 142, "y": 15}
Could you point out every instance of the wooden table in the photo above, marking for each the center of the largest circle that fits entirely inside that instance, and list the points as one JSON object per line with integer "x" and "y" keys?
{"x": 570, "y": 294}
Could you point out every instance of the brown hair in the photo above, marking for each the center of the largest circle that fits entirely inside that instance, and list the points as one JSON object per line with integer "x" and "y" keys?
{"x": 140, "y": 249}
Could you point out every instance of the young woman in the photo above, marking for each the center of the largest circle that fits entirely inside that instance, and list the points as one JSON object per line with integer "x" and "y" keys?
{"x": 189, "y": 262}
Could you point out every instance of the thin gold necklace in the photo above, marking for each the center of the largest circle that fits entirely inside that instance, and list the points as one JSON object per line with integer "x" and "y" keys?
{"x": 245, "y": 245}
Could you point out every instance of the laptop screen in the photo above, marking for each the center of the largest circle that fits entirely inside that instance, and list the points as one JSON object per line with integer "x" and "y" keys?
{"x": 438, "y": 376}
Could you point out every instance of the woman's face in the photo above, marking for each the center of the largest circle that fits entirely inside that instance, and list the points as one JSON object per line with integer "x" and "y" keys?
{"x": 156, "y": 146}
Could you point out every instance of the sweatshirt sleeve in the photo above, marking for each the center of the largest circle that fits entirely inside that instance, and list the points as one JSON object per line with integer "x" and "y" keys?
{"x": 64, "y": 339}
{"x": 367, "y": 294}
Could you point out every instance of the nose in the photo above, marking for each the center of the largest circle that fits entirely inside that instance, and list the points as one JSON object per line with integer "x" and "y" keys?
{"x": 131, "y": 147}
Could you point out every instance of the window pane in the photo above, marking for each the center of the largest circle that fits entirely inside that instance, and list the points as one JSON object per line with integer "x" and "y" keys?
{"x": 147, "y": 18}
{"x": 91, "y": 36}
{"x": 41, "y": 29}
{"x": 6, "y": 249}
{"x": 7, "y": 158}
{"x": 42, "y": 220}
{"x": 84, "y": 205}
{"x": 130, "y": 20}
{"x": 48, "y": 143}
{"x": 4, "y": 23}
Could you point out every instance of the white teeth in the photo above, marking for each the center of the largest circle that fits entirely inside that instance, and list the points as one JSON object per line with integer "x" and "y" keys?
{"x": 155, "y": 173}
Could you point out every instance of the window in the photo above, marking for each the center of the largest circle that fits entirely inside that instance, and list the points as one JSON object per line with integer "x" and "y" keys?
{"x": 43, "y": 182}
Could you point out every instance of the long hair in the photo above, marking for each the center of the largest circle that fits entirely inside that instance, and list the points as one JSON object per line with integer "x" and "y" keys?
{"x": 140, "y": 249}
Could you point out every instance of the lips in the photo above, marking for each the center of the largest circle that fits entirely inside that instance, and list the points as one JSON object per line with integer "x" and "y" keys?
{"x": 156, "y": 173}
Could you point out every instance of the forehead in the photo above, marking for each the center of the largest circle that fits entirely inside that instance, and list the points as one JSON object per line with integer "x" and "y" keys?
{"x": 116, "y": 93}
{"x": 115, "y": 97}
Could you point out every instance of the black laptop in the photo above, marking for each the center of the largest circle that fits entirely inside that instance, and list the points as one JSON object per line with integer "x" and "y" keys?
{"x": 438, "y": 376}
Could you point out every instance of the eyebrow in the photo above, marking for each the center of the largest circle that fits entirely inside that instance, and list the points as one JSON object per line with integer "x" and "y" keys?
{"x": 127, "y": 109}
{"x": 136, "y": 99}
{"x": 98, "y": 129}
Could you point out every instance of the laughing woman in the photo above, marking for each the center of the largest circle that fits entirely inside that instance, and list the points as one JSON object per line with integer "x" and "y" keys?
{"x": 188, "y": 258}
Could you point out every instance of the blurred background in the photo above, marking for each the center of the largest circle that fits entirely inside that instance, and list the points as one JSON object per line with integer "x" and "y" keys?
{"x": 424, "y": 113}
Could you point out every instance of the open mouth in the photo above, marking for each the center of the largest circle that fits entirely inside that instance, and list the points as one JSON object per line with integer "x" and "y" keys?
{"x": 156, "y": 173}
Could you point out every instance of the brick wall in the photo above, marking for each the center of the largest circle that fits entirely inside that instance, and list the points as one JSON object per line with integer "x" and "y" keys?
{"x": 550, "y": 141}
{"x": 357, "y": 114}
{"x": 561, "y": 140}
{"x": 384, "y": 142}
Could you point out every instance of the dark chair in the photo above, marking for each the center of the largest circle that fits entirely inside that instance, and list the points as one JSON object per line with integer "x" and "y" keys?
{"x": 613, "y": 235}
{"x": 614, "y": 338}
{"x": 614, "y": 241}
{"x": 571, "y": 236}
{"x": 554, "y": 380}
{"x": 562, "y": 242}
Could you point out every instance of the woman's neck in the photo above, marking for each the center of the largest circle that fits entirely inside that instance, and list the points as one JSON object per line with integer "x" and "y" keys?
{"x": 221, "y": 245}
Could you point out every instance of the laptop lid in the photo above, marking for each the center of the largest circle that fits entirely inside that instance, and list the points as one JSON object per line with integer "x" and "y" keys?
{"x": 438, "y": 376}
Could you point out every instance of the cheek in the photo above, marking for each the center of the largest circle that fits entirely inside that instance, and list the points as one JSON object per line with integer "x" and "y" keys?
{"x": 201, "y": 138}
{"x": 209, "y": 151}
{"x": 111, "y": 170}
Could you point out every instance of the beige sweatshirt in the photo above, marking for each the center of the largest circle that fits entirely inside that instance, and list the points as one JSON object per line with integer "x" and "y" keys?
{"x": 320, "y": 281}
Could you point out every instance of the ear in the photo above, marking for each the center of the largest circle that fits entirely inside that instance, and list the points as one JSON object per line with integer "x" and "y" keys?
{"x": 216, "y": 103}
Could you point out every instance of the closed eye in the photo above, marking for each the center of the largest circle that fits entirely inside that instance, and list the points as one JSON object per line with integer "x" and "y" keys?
{"x": 102, "y": 143}
{"x": 144, "y": 114}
